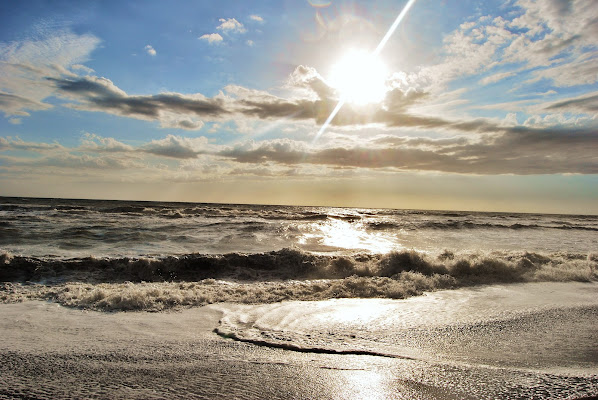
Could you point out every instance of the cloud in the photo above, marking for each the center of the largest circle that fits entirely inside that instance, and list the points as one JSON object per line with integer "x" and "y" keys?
{"x": 170, "y": 109}
{"x": 177, "y": 147}
{"x": 191, "y": 111}
{"x": 176, "y": 121}
{"x": 231, "y": 25}
{"x": 282, "y": 151}
{"x": 25, "y": 64}
{"x": 579, "y": 72}
{"x": 150, "y": 50}
{"x": 528, "y": 151}
{"x": 250, "y": 43}
{"x": 227, "y": 26}
{"x": 95, "y": 143}
{"x": 256, "y": 18}
{"x": 552, "y": 39}
{"x": 12, "y": 104}
{"x": 587, "y": 103}
{"x": 171, "y": 146}
{"x": 103, "y": 156}
{"x": 71, "y": 162}
{"x": 517, "y": 150}
{"x": 9, "y": 143}
{"x": 211, "y": 38}
{"x": 81, "y": 67}
{"x": 496, "y": 77}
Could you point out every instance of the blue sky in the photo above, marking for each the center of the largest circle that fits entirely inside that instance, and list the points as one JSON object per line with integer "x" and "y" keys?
{"x": 485, "y": 105}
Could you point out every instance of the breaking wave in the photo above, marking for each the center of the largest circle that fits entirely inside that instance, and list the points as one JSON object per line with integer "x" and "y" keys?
{"x": 456, "y": 225}
{"x": 288, "y": 274}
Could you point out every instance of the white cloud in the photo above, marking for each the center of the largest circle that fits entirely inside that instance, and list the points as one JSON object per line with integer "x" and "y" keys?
{"x": 177, "y": 147}
{"x": 17, "y": 143}
{"x": 81, "y": 67}
{"x": 211, "y": 38}
{"x": 231, "y": 25}
{"x": 96, "y": 143}
{"x": 177, "y": 121}
{"x": 25, "y": 66}
{"x": 150, "y": 50}
{"x": 551, "y": 39}
{"x": 250, "y": 43}
{"x": 584, "y": 72}
{"x": 496, "y": 77}
{"x": 256, "y": 18}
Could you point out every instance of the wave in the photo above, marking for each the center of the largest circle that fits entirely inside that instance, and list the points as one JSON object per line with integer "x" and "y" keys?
{"x": 456, "y": 225}
{"x": 287, "y": 274}
{"x": 71, "y": 208}
{"x": 13, "y": 207}
{"x": 126, "y": 210}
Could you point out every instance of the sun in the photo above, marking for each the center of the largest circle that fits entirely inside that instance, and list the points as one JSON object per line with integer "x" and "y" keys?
{"x": 360, "y": 77}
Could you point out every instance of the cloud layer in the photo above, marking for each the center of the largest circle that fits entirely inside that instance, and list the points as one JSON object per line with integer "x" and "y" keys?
{"x": 426, "y": 121}
{"x": 517, "y": 151}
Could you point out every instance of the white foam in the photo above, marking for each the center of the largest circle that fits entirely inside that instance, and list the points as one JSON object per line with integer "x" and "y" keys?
{"x": 475, "y": 325}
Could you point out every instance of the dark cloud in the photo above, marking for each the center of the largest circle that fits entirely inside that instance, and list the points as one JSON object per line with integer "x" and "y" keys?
{"x": 100, "y": 94}
{"x": 494, "y": 149}
{"x": 282, "y": 151}
{"x": 579, "y": 104}
{"x": 518, "y": 151}
{"x": 279, "y": 108}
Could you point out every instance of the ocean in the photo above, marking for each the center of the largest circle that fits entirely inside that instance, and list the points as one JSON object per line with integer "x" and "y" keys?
{"x": 463, "y": 304}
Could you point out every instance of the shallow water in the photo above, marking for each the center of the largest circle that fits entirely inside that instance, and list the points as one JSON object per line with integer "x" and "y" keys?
{"x": 49, "y": 351}
{"x": 540, "y": 327}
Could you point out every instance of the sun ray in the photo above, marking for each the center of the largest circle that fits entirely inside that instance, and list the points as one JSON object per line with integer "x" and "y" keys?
{"x": 375, "y": 53}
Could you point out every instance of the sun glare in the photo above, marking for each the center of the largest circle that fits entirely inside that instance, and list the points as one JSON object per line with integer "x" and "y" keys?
{"x": 360, "y": 77}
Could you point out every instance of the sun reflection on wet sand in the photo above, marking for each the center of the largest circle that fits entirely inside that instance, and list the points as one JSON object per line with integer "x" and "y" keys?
{"x": 356, "y": 313}
{"x": 364, "y": 384}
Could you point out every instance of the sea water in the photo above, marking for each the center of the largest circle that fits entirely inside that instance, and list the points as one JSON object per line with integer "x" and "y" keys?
{"x": 470, "y": 291}
{"x": 80, "y": 228}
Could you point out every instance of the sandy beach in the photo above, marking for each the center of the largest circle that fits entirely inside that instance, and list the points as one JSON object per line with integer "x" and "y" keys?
{"x": 51, "y": 352}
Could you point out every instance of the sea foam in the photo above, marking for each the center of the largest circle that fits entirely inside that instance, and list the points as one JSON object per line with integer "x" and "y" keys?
{"x": 287, "y": 274}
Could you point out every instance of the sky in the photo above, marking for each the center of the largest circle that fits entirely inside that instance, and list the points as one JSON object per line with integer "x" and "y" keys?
{"x": 467, "y": 105}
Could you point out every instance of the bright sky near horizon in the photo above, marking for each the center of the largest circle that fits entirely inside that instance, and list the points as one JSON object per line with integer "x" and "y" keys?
{"x": 476, "y": 105}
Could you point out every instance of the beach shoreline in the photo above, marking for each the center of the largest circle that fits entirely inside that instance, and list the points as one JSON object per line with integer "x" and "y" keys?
{"x": 51, "y": 351}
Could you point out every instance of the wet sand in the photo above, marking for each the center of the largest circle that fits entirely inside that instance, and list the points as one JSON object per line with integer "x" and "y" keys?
{"x": 50, "y": 352}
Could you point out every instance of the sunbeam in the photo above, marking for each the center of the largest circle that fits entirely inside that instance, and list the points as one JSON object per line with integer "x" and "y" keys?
{"x": 375, "y": 53}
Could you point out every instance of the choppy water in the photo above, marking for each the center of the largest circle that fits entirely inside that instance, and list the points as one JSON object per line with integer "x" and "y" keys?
{"x": 522, "y": 286}
{"x": 81, "y": 228}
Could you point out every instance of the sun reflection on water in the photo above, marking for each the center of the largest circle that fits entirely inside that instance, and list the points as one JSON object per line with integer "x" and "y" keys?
{"x": 339, "y": 234}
